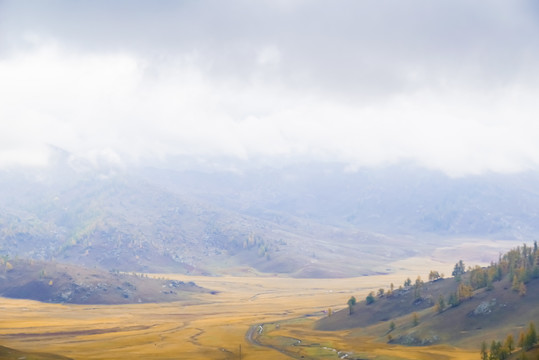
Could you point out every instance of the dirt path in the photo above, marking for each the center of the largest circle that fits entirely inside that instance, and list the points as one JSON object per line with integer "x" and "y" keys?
{"x": 253, "y": 335}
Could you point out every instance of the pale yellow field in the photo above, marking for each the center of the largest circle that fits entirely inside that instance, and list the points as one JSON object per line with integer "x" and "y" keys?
{"x": 213, "y": 327}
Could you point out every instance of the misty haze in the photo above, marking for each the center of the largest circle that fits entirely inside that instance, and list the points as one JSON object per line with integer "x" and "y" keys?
{"x": 269, "y": 180}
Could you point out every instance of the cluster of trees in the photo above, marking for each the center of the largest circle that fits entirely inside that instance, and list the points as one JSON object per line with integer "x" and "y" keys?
{"x": 418, "y": 284}
{"x": 392, "y": 325}
{"x": 520, "y": 264}
{"x": 527, "y": 340}
{"x": 502, "y": 351}
{"x": 263, "y": 247}
{"x": 458, "y": 270}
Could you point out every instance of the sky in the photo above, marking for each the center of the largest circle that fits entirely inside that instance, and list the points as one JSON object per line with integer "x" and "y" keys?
{"x": 450, "y": 85}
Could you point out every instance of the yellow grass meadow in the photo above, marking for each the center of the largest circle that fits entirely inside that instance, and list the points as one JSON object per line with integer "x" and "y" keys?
{"x": 210, "y": 326}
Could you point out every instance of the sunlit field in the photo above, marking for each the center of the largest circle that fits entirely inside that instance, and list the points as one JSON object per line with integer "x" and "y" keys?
{"x": 213, "y": 326}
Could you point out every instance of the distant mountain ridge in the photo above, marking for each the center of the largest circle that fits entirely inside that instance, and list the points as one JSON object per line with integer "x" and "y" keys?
{"x": 307, "y": 220}
{"x": 391, "y": 200}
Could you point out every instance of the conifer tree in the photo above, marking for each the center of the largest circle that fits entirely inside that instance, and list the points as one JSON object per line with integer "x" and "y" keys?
{"x": 531, "y": 337}
{"x": 510, "y": 342}
{"x": 522, "y": 289}
{"x": 370, "y": 298}
{"x": 458, "y": 270}
{"x": 495, "y": 347}
{"x": 453, "y": 300}
{"x": 521, "y": 339}
{"x": 440, "y": 305}
{"x": 351, "y": 303}
{"x": 484, "y": 352}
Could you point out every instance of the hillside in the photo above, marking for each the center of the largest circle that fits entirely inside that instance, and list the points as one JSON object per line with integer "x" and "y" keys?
{"x": 61, "y": 283}
{"x": 400, "y": 303}
{"x": 124, "y": 222}
{"x": 482, "y": 304}
{"x": 311, "y": 221}
{"x": 488, "y": 315}
{"x": 399, "y": 199}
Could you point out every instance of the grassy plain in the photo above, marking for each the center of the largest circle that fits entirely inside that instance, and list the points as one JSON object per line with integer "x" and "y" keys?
{"x": 214, "y": 326}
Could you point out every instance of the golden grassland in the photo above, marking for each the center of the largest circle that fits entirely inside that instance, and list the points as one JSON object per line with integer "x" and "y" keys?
{"x": 214, "y": 326}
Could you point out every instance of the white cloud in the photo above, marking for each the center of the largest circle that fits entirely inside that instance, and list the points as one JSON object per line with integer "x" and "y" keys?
{"x": 120, "y": 107}
{"x": 269, "y": 55}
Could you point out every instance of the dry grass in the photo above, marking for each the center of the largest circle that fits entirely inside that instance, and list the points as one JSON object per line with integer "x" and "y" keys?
{"x": 212, "y": 327}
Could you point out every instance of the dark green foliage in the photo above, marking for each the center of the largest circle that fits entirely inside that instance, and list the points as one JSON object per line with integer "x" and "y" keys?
{"x": 417, "y": 287}
{"x": 530, "y": 338}
{"x": 440, "y": 305}
{"x": 370, "y": 298}
{"x": 458, "y": 270}
{"x": 408, "y": 282}
{"x": 351, "y": 302}
{"x": 453, "y": 300}
{"x": 499, "y": 351}
{"x": 509, "y": 343}
{"x": 484, "y": 351}
{"x": 478, "y": 277}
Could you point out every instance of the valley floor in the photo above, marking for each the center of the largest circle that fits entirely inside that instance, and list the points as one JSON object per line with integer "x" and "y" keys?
{"x": 213, "y": 326}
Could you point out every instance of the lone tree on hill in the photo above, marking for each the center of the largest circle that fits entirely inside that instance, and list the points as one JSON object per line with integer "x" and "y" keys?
{"x": 351, "y": 303}
{"x": 417, "y": 287}
{"x": 458, "y": 270}
{"x": 370, "y": 298}
{"x": 434, "y": 275}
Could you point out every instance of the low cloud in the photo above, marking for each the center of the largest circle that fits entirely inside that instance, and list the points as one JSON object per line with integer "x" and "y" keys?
{"x": 271, "y": 97}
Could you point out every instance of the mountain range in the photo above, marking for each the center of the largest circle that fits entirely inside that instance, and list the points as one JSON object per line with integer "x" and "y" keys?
{"x": 304, "y": 220}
